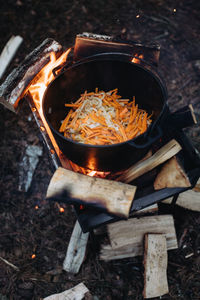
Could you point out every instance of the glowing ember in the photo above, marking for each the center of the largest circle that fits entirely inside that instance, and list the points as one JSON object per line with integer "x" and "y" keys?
{"x": 174, "y": 10}
{"x": 137, "y": 16}
{"x": 33, "y": 256}
{"x": 136, "y": 60}
{"x": 36, "y": 207}
{"x": 92, "y": 173}
{"x": 61, "y": 210}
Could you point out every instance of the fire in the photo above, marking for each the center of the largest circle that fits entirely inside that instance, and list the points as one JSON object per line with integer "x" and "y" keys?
{"x": 33, "y": 256}
{"x": 92, "y": 173}
{"x": 136, "y": 60}
{"x": 37, "y": 89}
{"x": 46, "y": 77}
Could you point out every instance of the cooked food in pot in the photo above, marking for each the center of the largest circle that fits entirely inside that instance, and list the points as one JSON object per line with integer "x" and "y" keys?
{"x": 104, "y": 118}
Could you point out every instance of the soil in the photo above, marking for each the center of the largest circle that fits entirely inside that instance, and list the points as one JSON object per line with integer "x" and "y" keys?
{"x": 35, "y": 240}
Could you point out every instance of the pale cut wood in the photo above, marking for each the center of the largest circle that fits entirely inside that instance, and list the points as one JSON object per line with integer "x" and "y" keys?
{"x": 189, "y": 199}
{"x": 140, "y": 168}
{"x": 147, "y": 210}
{"x": 76, "y": 293}
{"x": 17, "y": 82}
{"x": 9, "y": 52}
{"x": 155, "y": 266}
{"x": 126, "y": 237}
{"x": 115, "y": 197}
{"x": 171, "y": 175}
{"x": 76, "y": 250}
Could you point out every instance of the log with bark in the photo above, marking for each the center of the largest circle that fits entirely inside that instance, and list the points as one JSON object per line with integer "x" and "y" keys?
{"x": 126, "y": 237}
{"x": 72, "y": 188}
{"x": 155, "y": 266}
{"x": 18, "y": 81}
{"x": 9, "y": 52}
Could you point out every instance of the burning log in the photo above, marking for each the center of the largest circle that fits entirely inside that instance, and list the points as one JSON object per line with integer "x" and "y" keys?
{"x": 142, "y": 167}
{"x": 18, "y": 81}
{"x": 88, "y": 44}
{"x": 155, "y": 264}
{"x": 171, "y": 175}
{"x": 9, "y": 52}
{"x": 114, "y": 197}
{"x": 129, "y": 243}
{"x": 76, "y": 250}
{"x": 78, "y": 292}
{"x": 189, "y": 199}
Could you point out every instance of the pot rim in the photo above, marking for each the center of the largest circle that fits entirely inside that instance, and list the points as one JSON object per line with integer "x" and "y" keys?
{"x": 111, "y": 56}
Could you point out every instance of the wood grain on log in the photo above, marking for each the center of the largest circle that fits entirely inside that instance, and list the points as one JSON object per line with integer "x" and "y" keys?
{"x": 155, "y": 266}
{"x": 142, "y": 167}
{"x": 189, "y": 199}
{"x": 126, "y": 237}
{"x": 171, "y": 175}
{"x": 114, "y": 197}
{"x": 18, "y": 81}
{"x": 76, "y": 250}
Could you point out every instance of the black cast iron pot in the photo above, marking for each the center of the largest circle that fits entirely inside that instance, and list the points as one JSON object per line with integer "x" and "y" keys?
{"x": 106, "y": 72}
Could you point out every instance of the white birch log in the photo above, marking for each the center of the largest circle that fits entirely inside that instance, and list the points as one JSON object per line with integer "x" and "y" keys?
{"x": 76, "y": 250}
{"x": 76, "y": 293}
{"x": 9, "y": 52}
{"x": 155, "y": 266}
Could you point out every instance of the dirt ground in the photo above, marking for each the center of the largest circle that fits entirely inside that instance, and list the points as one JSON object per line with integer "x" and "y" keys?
{"x": 45, "y": 231}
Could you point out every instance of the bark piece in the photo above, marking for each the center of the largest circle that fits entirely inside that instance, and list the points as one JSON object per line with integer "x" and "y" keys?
{"x": 114, "y": 197}
{"x": 171, "y": 175}
{"x": 76, "y": 250}
{"x": 18, "y": 81}
{"x": 9, "y": 52}
{"x": 78, "y": 292}
{"x": 189, "y": 199}
{"x": 126, "y": 237}
{"x": 155, "y": 265}
{"x": 142, "y": 167}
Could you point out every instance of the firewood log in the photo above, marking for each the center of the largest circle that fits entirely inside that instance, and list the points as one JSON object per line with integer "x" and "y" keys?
{"x": 18, "y": 81}
{"x": 126, "y": 237}
{"x": 78, "y": 292}
{"x": 171, "y": 175}
{"x": 155, "y": 265}
{"x": 71, "y": 187}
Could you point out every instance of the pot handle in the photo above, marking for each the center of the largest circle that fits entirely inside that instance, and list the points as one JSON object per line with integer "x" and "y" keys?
{"x": 150, "y": 139}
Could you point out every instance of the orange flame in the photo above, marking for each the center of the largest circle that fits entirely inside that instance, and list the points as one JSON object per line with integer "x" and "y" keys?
{"x": 45, "y": 77}
{"x": 136, "y": 60}
{"x": 37, "y": 89}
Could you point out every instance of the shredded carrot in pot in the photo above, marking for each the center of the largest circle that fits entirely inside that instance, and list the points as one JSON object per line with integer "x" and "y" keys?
{"x": 103, "y": 118}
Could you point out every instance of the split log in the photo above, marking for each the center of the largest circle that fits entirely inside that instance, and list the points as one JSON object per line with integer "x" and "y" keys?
{"x": 9, "y": 52}
{"x": 126, "y": 237}
{"x": 78, "y": 292}
{"x": 140, "y": 168}
{"x": 76, "y": 250}
{"x": 155, "y": 266}
{"x": 18, "y": 81}
{"x": 88, "y": 44}
{"x": 70, "y": 187}
{"x": 171, "y": 175}
{"x": 189, "y": 199}
{"x": 147, "y": 210}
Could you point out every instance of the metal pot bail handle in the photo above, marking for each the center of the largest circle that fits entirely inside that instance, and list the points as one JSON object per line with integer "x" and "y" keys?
{"x": 150, "y": 139}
